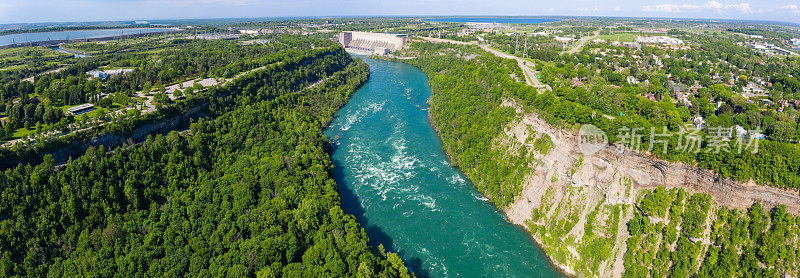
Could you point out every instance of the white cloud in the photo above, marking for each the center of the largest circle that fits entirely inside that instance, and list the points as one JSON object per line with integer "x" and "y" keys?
{"x": 714, "y": 5}
{"x": 596, "y": 8}
{"x": 617, "y": 8}
{"x": 792, "y": 9}
{"x": 665, "y": 8}
{"x": 708, "y": 6}
{"x": 711, "y": 5}
{"x": 742, "y": 7}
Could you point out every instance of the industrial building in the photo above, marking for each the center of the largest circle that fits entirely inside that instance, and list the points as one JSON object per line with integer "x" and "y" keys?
{"x": 372, "y": 43}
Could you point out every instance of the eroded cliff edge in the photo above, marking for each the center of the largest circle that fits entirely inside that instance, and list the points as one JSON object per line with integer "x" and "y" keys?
{"x": 567, "y": 194}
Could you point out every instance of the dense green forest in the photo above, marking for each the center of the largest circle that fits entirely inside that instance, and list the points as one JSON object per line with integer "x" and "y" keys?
{"x": 156, "y": 64}
{"x": 244, "y": 192}
{"x": 668, "y": 226}
{"x": 465, "y": 109}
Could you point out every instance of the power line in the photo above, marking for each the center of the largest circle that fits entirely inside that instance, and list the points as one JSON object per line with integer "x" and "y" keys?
{"x": 525, "y": 55}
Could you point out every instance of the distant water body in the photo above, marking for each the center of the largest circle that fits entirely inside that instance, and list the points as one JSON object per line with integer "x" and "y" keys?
{"x": 507, "y": 20}
{"x": 396, "y": 180}
{"x": 75, "y": 34}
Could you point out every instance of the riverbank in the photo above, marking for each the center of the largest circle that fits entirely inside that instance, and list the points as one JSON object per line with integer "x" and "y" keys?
{"x": 512, "y": 216}
{"x": 396, "y": 178}
{"x": 77, "y": 53}
{"x": 61, "y": 37}
{"x": 508, "y": 215}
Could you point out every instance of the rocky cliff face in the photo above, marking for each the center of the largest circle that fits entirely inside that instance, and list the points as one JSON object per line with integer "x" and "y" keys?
{"x": 576, "y": 206}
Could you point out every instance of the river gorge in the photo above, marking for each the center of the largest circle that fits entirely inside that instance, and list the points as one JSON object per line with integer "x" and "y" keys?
{"x": 396, "y": 180}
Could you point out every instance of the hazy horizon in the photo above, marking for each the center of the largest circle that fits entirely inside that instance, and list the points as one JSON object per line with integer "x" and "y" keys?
{"x": 47, "y": 11}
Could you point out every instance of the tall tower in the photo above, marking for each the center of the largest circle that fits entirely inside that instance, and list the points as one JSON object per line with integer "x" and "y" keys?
{"x": 525, "y": 54}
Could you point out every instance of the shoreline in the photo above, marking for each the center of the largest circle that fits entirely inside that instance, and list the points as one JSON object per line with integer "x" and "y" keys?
{"x": 503, "y": 211}
{"x": 87, "y": 39}
{"x": 563, "y": 270}
{"x": 566, "y": 271}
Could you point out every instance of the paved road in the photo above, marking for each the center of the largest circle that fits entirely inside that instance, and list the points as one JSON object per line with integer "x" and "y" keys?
{"x": 147, "y": 107}
{"x": 582, "y": 42}
{"x": 530, "y": 74}
{"x": 446, "y": 41}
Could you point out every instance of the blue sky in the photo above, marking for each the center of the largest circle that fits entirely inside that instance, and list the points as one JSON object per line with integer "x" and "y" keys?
{"x": 17, "y": 11}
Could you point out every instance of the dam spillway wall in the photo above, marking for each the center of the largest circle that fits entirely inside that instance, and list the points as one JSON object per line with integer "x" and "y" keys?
{"x": 376, "y": 43}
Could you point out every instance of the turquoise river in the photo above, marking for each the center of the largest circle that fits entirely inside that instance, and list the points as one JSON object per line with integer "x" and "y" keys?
{"x": 397, "y": 181}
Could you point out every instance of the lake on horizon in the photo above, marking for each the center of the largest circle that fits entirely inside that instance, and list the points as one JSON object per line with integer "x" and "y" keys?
{"x": 506, "y": 20}
{"x": 75, "y": 34}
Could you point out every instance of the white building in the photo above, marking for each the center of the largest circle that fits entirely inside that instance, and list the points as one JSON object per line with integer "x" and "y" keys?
{"x": 737, "y": 131}
{"x": 564, "y": 39}
{"x": 80, "y": 109}
{"x": 698, "y": 122}
{"x": 97, "y": 74}
{"x": 250, "y": 32}
{"x": 103, "y": 74}
{"x": 666, "y": 40}
{"x": 377, "y": 43}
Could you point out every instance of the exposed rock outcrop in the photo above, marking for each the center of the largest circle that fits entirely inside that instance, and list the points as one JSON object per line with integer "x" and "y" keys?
{"x": 606, "y": 179}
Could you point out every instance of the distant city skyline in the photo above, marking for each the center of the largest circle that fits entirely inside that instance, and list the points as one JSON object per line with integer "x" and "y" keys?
{"x": 27, "y": 11}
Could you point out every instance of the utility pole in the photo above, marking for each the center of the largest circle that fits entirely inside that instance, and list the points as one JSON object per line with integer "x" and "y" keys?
{"x": 525, "y": 55}
{"x": 516, "y": 48}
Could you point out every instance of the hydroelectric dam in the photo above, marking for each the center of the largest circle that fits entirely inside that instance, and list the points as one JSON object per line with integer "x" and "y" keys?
{"x": 371, "y": 43}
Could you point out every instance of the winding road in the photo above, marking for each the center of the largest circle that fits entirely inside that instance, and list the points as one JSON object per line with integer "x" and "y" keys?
{"x": 530, "y": 74}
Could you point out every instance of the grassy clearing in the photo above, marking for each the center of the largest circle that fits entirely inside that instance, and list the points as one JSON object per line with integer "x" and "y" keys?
{"x": 621, "y": 37}
{"x": 19, "y": 133}
{"x": 18, "y": 58}
{"x": 15, "y": 67}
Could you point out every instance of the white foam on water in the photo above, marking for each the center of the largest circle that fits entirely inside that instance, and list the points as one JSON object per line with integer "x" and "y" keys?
{"x": 365, "y": 110}
{"x": 456, "y": 179}
{"x": 479, "y": 197}
{"x": 426, "y": 201}
{"x": 388, "y": 178}
{"x": 434, "y": 263}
